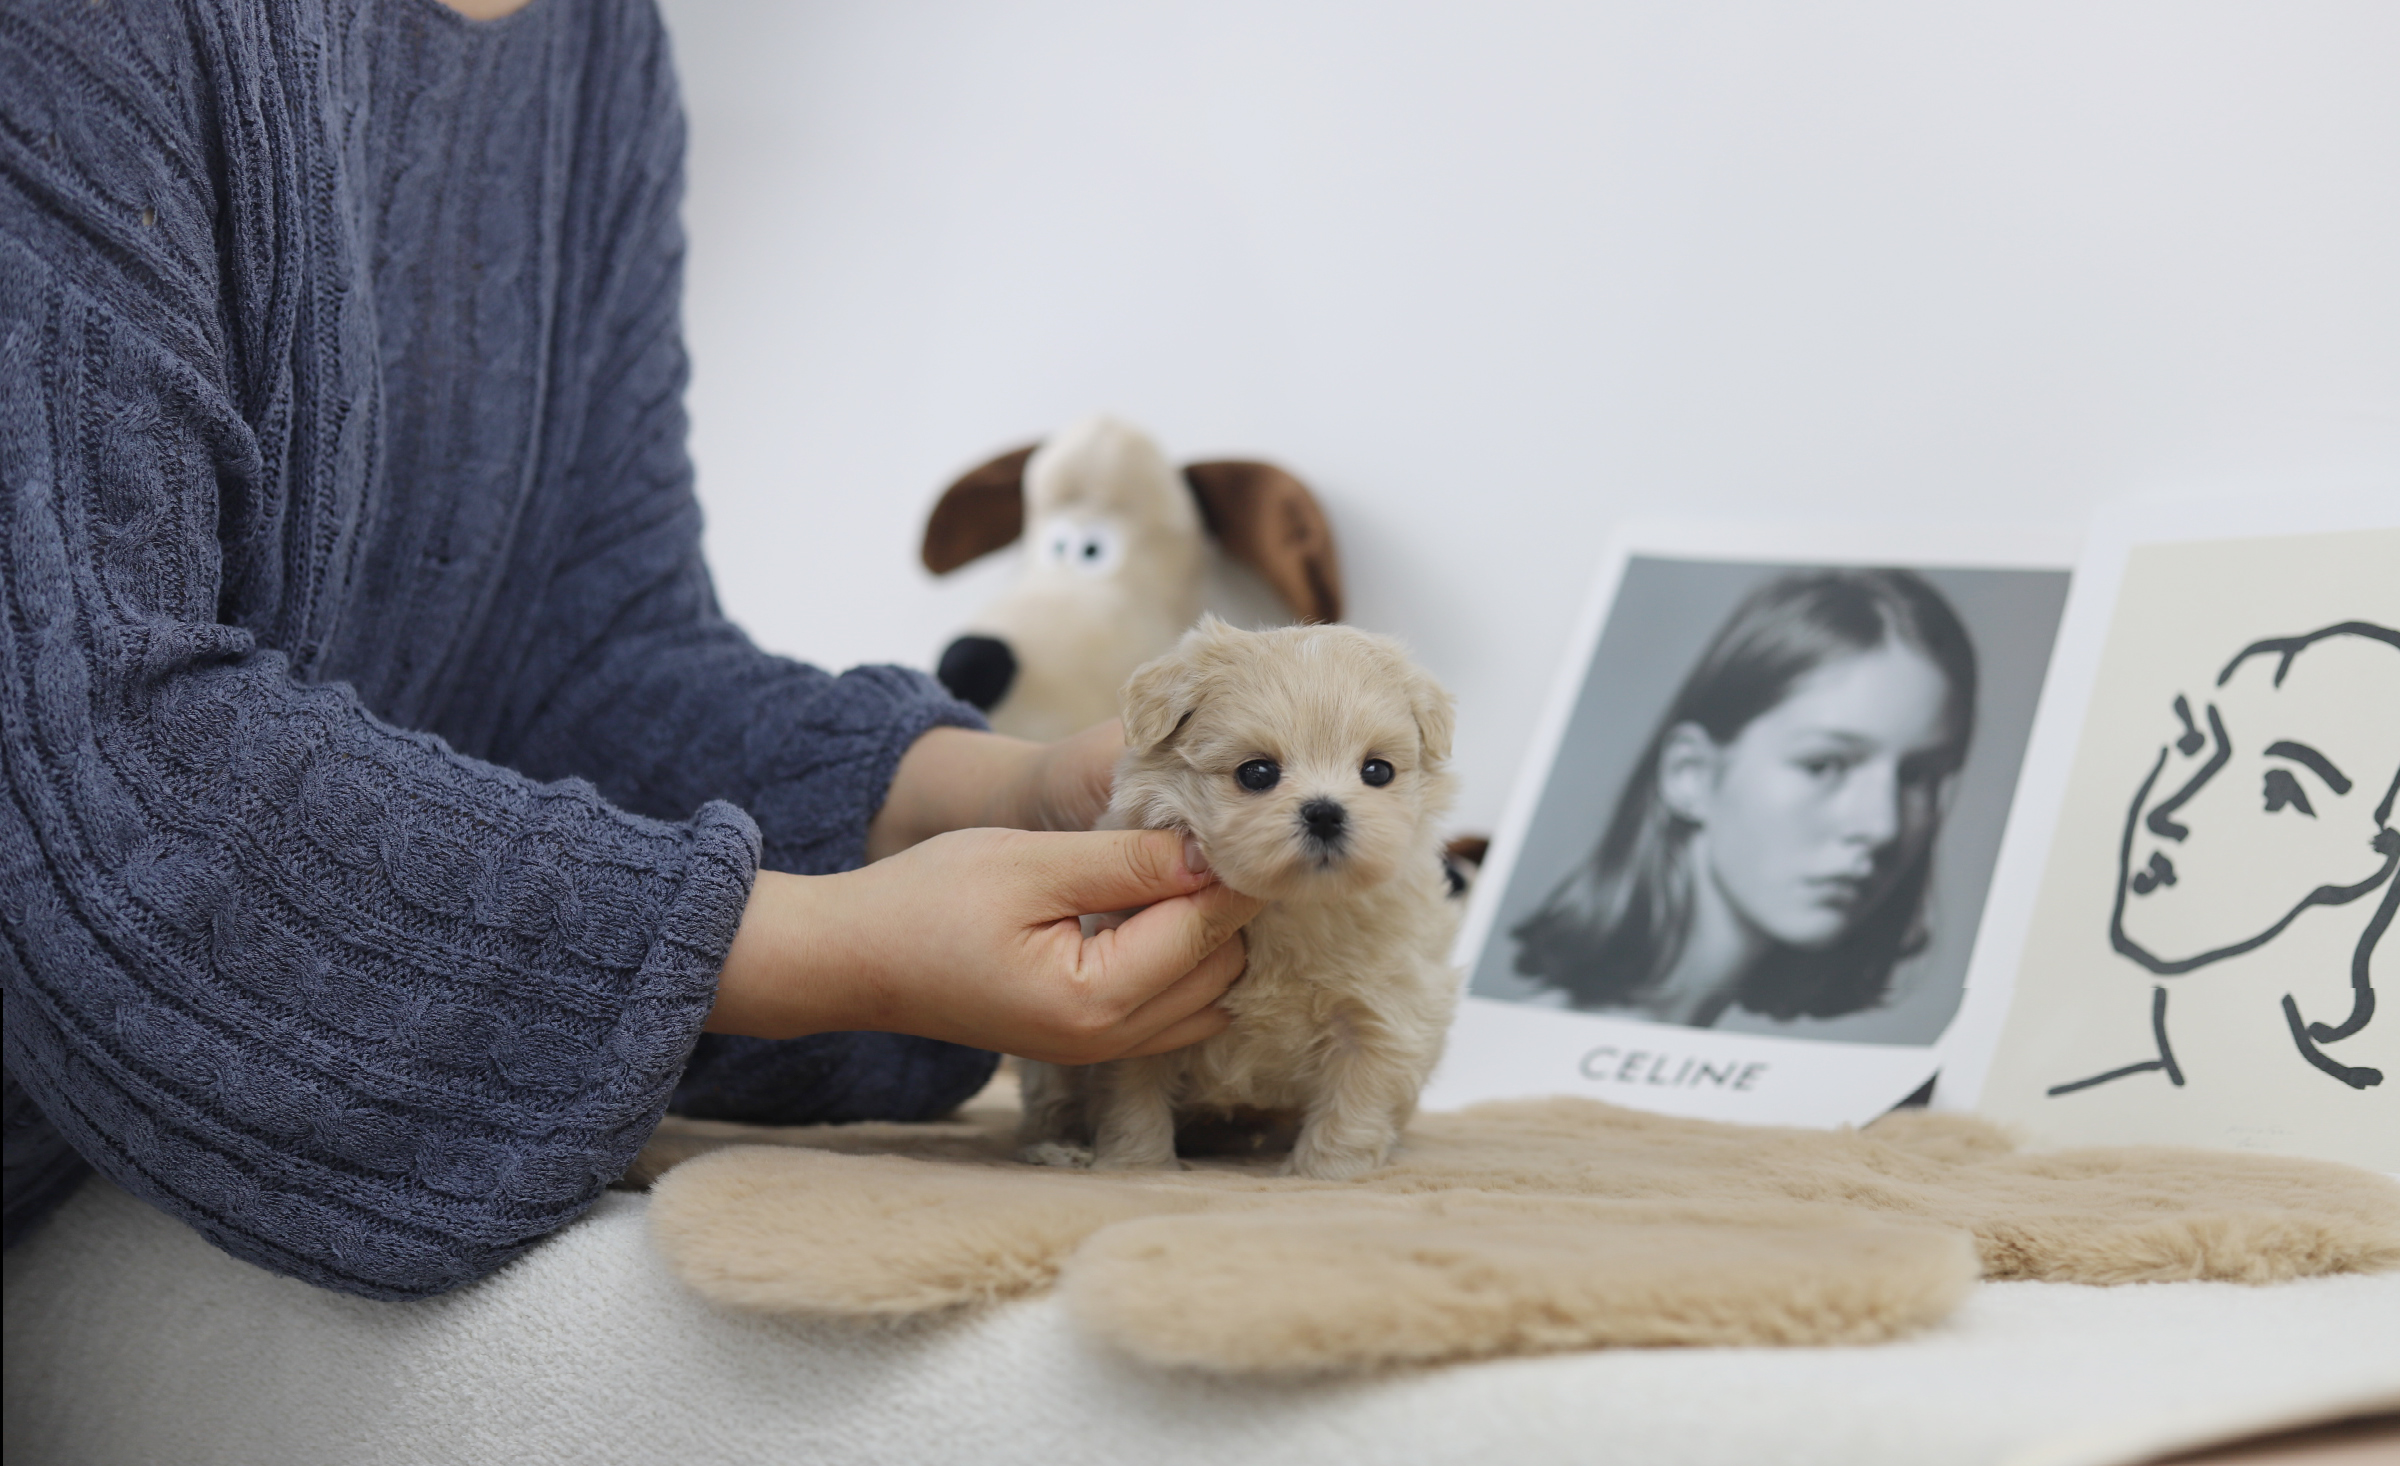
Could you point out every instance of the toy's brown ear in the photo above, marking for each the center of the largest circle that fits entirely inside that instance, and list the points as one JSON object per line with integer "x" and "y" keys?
{"x": 984, "y": 510}
{"x": 1268, "y": 520}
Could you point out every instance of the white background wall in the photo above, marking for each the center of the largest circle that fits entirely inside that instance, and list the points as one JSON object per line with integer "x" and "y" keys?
{"x": 1496, "y": 277}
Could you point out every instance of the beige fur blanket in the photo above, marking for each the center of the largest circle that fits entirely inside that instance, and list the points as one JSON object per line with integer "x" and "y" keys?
{"x": 1510, "y": 1228}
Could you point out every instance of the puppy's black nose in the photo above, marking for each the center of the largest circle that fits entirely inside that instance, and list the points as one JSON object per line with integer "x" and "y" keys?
{"x": 978, "y": 670}
{"x": 1324, "y": 819}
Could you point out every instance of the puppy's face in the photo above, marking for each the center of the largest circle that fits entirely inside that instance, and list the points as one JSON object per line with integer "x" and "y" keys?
{"x": 1309, "y": 760}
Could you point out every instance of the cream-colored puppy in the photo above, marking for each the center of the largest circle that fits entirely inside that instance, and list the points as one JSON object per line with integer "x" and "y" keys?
{"x": 1309, "y": 764}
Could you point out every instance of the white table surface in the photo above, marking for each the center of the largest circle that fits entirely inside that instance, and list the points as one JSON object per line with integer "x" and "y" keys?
{"x": 129, "y": 1340}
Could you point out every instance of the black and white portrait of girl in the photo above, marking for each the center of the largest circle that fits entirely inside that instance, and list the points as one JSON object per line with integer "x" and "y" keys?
{"x": 1794, "y": 825}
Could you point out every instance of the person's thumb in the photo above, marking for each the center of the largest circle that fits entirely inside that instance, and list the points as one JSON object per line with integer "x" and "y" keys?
{"x": 1109, "y": 870}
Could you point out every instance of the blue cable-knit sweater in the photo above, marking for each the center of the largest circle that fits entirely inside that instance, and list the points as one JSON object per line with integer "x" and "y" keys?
{"x": 382, "y": 784}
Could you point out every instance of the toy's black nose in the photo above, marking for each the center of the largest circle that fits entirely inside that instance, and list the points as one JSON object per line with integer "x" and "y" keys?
{"x": 978, "y": 669}
{"x": 1324, "y": 819}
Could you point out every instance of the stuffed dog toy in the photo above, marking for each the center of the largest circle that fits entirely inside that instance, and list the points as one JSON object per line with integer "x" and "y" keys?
{"x": 1118, "y": 546}
{"x": 1309, "y": 764}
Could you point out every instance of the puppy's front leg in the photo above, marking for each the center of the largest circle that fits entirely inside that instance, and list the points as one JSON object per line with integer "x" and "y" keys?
{"x": 1135, "y": 1102}
{"x": 1055, "y": 1128}
{"x": 1370, "y": 1087}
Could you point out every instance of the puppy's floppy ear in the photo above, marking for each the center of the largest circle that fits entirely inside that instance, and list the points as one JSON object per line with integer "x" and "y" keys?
{"x": 978, "y": 514}
{"x": 1163, "y": 692}
{"x": 1156, "y": 700}
{"x": 1268, "y": 520}
{"x": 1436, "y": 714}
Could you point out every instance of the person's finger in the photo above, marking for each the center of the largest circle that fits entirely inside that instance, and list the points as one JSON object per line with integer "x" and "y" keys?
{"x": 1180, "y": 1014}
{"x": 1109, "y": 870}
{"x": 1183, "y": 1032}
{"x": 1158, "y": 945}
{"x": 1188, "y": 994}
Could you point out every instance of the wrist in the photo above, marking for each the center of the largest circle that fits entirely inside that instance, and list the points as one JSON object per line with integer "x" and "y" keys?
{"x": 1017, "y": 772}
{"x": 955, "y": 779}
{"x": 791, "y": 970}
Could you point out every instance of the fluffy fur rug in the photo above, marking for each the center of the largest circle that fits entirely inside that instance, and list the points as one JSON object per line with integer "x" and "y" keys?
{"x": 1511, "y": 1228}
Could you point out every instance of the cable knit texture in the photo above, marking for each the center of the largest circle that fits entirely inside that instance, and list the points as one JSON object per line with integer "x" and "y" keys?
{"x": 346, "y": 499}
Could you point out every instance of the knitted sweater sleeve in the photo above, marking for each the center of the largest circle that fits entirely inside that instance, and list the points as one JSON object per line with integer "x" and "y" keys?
{"x": 360, "y": 1009}
{"x": 632, "y": 677}
{"x": 626, "y": 672}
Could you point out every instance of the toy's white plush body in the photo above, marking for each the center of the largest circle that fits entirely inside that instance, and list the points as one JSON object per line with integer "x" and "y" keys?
{"x": 1114, "y": 554}
{"x": 1341, "y": 1013}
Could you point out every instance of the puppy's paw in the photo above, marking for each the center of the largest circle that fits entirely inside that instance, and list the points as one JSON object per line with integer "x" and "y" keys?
{"x": 1329, "y": 1165}
{"x": 1057, "y": 1153}
{"x": 1134, "y": 1162}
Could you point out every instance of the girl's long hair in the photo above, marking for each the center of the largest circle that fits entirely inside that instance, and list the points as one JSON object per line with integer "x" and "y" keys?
{"x": 1617, "y": 923}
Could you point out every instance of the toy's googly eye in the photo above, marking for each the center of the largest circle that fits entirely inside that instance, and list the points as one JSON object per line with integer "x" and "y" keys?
{"x": 1258, "y": 775}
{"x": 1375, "y": 773}
{"x": 1093, "y": 547}
{"x": 1100, "y": 551}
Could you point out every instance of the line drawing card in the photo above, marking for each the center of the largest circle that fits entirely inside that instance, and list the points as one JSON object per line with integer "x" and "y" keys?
{"x": 2192, "y": 916}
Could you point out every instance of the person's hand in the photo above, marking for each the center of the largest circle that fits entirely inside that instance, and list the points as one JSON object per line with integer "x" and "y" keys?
{"x": 1066, "y": 786}
{"x": 957, "y": 779}
{"x": 973, "y": 937}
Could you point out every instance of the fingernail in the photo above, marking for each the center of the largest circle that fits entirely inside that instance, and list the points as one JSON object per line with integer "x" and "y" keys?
{"x": 1194, "y": 859}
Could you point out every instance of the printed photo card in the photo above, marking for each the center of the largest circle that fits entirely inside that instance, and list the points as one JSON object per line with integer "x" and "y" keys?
{"x": 1745, "y": 864}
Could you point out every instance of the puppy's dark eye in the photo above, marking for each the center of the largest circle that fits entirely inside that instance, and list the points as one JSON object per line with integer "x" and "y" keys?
{"x": 1376, "y": 773}
{"x": 1258, "y": 775}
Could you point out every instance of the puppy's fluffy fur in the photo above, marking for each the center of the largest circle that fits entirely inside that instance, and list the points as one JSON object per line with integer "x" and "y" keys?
{"x": 1340, "y": 1015}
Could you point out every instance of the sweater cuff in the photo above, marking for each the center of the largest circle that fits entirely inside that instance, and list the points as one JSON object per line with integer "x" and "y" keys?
{"x": 677, "y": 986}
{"x": 815, "y": 817}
